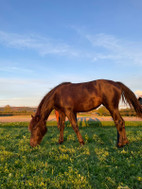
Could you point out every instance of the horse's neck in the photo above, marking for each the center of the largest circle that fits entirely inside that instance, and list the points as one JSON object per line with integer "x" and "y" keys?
{"x": 46, "y": 112}
{"x": 46, "y": 109}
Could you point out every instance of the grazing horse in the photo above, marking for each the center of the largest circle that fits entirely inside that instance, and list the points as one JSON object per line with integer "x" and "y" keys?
{"x": 70, "y": 98}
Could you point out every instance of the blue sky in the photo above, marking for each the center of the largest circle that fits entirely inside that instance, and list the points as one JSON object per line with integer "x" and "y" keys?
{"x": 46, "y": 42}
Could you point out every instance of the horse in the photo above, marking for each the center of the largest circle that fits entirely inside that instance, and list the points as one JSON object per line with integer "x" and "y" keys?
{"x": 70, "y": 98}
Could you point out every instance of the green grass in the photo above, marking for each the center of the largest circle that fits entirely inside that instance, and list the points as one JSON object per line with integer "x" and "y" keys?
{"x": 98, "y": 164}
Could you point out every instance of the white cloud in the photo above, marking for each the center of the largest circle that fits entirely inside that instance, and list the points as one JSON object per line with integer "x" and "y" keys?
{"x": 40, "y": 44}
{"x": 113, "y": 48}
{"x": 107, "y": 47}
{"x": 15, "y": 69}
{"x": 103, "y": 40}
{"x": 138, "y": 93}
{"x": 102, "y": 47}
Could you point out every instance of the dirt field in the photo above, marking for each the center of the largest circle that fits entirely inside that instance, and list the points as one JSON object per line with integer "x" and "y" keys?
{"x": 52, "y": 118}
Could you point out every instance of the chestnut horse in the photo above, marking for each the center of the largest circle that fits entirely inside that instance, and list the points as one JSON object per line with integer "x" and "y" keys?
{"x": 69, "y": 99}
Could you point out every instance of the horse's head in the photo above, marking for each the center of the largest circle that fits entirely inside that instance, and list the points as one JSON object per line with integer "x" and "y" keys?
{"x": 38, "y": 129}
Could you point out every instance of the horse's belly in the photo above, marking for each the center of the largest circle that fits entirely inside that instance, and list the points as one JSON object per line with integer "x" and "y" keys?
{"x": 86, "y": 105}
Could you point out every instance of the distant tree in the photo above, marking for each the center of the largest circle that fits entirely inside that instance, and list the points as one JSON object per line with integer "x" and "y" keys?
{"x": 127, "y": 112}
{"x": 7, "y": 108}
{"x": 102, "y": 111}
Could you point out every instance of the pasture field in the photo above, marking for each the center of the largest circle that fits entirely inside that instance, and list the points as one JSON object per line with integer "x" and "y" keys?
{"x": 99, "y": 164}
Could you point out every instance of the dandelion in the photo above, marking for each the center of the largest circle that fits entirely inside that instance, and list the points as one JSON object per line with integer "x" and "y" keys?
{"x": 123, "y": 187}
{"x": 41, "y": 184}
{"x": 30, "y": 184}
{"x": 10, "y": 175}
{"x": 123, "y": 152}
{"x": 139, "y": 178}
{"x": 86, "y": 137}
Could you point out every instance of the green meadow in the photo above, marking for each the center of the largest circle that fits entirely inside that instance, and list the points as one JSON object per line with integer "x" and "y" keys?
{"x": 99, "y": 164}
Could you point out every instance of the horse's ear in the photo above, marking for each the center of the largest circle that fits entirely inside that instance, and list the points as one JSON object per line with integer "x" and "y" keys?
{"x": 37, "y": 118}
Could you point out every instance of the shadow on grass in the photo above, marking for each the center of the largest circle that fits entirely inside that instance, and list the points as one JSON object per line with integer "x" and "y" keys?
{"x": 86, "y": 122}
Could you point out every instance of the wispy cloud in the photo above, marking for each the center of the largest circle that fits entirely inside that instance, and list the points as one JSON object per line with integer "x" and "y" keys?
{"x": 101, "y": 47}
{"x": 138, "y": 93}
{"x": 14, "y": 69}
{"x": 113, "y": 48}
{"x": 40, "y": 44}
{"x": 103, "y": 40}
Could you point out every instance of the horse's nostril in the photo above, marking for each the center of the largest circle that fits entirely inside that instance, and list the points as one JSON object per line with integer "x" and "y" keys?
{"x": 32, "y": 144}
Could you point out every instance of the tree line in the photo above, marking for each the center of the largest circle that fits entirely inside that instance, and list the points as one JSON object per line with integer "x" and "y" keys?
{"x": 101, "y": 111}
{"x": 11, "y": 111}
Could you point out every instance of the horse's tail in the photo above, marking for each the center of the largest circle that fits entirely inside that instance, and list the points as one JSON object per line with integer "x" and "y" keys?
{"x": 129, "y": 97}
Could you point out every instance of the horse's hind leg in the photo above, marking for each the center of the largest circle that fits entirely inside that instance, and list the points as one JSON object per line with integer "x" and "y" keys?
{"x": 57, "y": 118}
{"x": 73, "y": 120}
{"x": 120, "y": 125}
{"x": 61, "y": 127}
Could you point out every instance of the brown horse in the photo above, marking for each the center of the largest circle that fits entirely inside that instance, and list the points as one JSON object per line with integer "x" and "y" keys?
{"x": 69, "y": 98}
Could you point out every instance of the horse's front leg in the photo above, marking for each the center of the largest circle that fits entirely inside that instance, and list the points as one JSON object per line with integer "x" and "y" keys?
{"x": 120, "y": 125}
{"x": 61, "y": 127}
{"x": 73, "y": 120}
{"x": 121, "y": 133}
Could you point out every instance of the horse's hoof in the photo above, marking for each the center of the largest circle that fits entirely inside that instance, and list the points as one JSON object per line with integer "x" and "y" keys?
{"x": 122, "y": 145}
{"x": 60, "y": 142}
{"x": 82, "y": 143}
{"x": 126, "y": 142}
{"x": 119, "y": 145}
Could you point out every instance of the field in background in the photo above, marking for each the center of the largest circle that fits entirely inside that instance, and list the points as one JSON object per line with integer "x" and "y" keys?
{"x": 22, "y": 111}
{"x": 81, "y": 117}
{"x": 97, "y": 164}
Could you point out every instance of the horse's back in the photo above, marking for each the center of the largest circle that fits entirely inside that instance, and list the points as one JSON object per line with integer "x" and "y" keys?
{"x": 96, "y": 87}
{"x": 85, "y": 96}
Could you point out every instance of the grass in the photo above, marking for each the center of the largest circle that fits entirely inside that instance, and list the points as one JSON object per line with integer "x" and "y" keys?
{"x": 98, "y": 164}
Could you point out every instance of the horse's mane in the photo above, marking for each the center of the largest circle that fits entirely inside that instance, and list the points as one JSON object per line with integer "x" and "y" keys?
{"x": 47, "y": 96}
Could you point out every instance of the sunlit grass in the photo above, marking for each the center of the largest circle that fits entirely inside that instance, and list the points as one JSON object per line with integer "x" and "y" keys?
{"x": 98, "y": 164}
